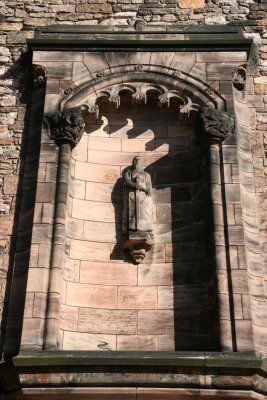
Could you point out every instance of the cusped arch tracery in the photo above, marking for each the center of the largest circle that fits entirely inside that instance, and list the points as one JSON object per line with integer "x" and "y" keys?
{"x": 190, "y": 91}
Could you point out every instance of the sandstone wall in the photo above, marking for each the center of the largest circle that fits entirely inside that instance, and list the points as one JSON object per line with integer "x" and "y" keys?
{"x": 19, "y": 20}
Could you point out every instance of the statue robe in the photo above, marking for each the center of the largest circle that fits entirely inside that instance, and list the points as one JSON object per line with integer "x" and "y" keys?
{"x": 137, "y": 207}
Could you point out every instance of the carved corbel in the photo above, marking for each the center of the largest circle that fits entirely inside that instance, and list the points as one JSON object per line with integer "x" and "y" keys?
{"x": 214, "y": 125}
{"x": 65, "y": 127}
{"x": 239, "y": 77}
{"x": 39, "y": 75}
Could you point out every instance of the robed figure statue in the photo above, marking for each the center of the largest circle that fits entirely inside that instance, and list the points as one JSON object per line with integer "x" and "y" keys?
{"x": 137, "y": 218}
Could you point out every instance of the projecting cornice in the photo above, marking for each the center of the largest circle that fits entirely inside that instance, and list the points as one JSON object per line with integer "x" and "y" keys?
{"x": 185, "y": 38}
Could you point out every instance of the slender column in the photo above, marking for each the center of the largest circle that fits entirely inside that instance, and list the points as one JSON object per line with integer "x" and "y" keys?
{"x": 214, "y": 128}
{"x": 66, "y": 128}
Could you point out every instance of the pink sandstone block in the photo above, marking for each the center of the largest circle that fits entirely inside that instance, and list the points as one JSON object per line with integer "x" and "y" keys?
{"x": 156, "y": 274}
{"x": 93, "y": 129}
{"x": 71, "y": 270}
{"x": 155, "y": 322}
{"x": 38, "y": 280}
{"x": 32, "y": 334}
{"x": 221, "y": 56}
{"x": 87, "y": 341}
{"x": 68, "y": 318}
{"x": 100, "y": 231}
{"x": 144, "y": 298}
{"x": 96, "y": 173}
{"x": 104, "y": 144}
{"x": 79, "y": 153}
{"x": 94, "y": 211}
{"x": 97, "y": 191}
{"x": 107, "y": 321}
{"x": 95, "y": 296}
{"x": 137, "y": 145}
{"x": 137, "y": 343}
{"x": 91, "y": 251}
{"x": 109, "y": 158}
{"x": 244, "y": 335}
{"x": 95, "y": 61}
{"x": 98, "y": 273}
{"x": 166, "y": 342}
{"x": 57, "y": 55}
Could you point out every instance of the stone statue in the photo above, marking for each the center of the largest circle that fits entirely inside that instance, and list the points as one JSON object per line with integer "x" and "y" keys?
{"x": 137, "y": 219}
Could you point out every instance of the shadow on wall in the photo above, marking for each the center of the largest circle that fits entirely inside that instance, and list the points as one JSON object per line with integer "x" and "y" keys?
{"x": 28, "y": 128}
{"x": 181, "y": 263}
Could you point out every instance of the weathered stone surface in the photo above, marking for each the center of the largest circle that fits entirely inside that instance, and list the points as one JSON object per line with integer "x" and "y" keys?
{"x": 107, "y": 321}
{"x": 191, "y": 3}
{"x": 91, "y": 251}
{"x": 85, "y": 295}
{"x": 137, "y": 343}
{"x": 103, "y": 173}
{"x": 83, "y": 243}
{"x": 137, "y": 297}
{"x": 10, "y": 184}
{"x": 97, "y": 273}
{"x": 155, "y": 322}
{"x": 73, "y": 340}
{"x": 94, "y": 8}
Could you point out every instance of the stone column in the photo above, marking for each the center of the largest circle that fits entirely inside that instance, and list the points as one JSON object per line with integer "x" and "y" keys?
{"x": 66, "y": 128}
{"x": 213, "y": 128}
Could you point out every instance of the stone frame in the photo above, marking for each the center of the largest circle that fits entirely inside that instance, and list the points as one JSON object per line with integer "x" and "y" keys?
{"x": 206, "y": 37}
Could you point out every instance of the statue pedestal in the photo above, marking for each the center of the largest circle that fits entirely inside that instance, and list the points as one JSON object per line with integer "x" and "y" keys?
{"x": 138, "y": 244}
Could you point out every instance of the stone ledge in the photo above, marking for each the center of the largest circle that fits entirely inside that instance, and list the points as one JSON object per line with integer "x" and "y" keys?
{"x": 191, "y": 370}
{"x": 124, "y": 38}
{"x": 243, "y": 360}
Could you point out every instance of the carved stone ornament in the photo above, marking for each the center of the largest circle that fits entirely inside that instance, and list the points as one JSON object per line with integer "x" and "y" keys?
{"x": 139, "y": 24}
{"x": 65, "y": 126}
{"x": 137, "y": 220}
{"x": 214, "y": 124}
{"x": 239, "y": 77}
{"x": 139, "y": 91}
{"x": 39, "y": 75}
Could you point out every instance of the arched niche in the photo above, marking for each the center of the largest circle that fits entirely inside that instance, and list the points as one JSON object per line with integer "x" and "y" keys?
{"x": 180, "y": 169}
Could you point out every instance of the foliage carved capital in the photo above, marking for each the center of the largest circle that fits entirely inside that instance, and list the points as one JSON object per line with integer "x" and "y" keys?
{"x": 65, "y": 126}
{"x": 214, "y": 124}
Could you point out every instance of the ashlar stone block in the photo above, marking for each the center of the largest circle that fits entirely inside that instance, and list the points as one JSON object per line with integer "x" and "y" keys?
{"x": 140, "y": 298}
{"x": 156, "y": 322}
{"x": 107, "y": 321}
{"x": 97, "y": 273}
{"x": 87, "y": 341}
{"x": 137, "y": 343}
{"x": 85, "y": 295}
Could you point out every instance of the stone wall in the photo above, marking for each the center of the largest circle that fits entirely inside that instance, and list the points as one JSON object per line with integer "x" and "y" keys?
{"x": 20, "y": 19}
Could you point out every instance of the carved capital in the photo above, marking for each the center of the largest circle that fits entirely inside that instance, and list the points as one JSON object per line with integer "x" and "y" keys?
{"x": 65, "y": 126}
{"x": 213, "y": 124}
{"x": 39, "y": 75}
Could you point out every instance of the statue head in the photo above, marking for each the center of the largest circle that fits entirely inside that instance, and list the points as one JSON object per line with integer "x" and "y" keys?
{"x": 137, "y": 163}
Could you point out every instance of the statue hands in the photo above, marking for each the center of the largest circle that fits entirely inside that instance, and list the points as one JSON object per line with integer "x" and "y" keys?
{"x": 142, "y": 189}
